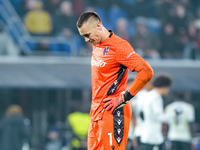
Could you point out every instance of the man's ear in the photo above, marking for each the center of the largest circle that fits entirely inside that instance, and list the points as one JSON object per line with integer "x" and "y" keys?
{"x": 99, "y": 26}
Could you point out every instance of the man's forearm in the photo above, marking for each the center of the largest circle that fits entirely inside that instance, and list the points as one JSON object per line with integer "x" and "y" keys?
{"x": 145, "y": 73}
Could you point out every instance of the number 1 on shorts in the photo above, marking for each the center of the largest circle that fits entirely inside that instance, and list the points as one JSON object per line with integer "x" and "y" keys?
{"x": 110, "y": 136}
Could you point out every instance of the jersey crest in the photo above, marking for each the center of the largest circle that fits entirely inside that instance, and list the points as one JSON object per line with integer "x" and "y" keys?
{"x": 105, "y": 51}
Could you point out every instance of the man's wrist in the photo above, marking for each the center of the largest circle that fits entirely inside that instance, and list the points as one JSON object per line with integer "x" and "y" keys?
{"x": 127, "y": 96}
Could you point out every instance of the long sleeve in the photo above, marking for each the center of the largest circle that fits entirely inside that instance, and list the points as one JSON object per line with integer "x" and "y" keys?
{"x": 145, "y": 73}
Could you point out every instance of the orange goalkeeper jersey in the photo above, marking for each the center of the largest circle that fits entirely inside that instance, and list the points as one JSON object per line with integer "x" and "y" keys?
{"x": 110, "y": 63}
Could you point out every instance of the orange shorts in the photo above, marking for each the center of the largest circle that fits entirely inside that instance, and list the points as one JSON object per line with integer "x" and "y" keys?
{"x": 110, "y": 132}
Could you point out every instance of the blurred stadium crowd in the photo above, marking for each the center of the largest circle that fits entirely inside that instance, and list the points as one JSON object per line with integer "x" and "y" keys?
{"x": 155, "y": 28}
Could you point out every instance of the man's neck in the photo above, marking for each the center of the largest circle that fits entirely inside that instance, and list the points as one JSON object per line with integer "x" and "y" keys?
{"x": 105, "y": 34}
{"x": 159, "y": 91}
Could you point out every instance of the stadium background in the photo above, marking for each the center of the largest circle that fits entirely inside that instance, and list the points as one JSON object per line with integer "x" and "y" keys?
{"x": 47, "y": 71}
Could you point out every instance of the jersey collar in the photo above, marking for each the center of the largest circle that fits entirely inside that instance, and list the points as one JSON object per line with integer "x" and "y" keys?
{"x": 111, "y": 33}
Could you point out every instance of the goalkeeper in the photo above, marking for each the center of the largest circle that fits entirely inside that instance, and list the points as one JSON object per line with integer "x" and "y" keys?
{"x": 112, "y": 57}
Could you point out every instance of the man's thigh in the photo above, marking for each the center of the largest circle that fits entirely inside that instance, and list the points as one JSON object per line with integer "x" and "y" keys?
{"x": 186, "y": 146}
{"x": 145, "y": 147}
{"x": 111, "y": 132}
{"x": 177, "y": 145}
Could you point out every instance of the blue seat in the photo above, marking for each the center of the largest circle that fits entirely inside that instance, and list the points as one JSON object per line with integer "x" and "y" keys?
{"x": 13, "y": 36}
{"x": 101, "y": 13}
{"x": 66, "y": 49}
{"x": 31, "y": 45}
{"x": 114, "y": 14}
{"x": 154, "y": 25}
{"x": 16, "y": 4}
{"x": 129, "y": 2}
{"x": 54, "y": 47}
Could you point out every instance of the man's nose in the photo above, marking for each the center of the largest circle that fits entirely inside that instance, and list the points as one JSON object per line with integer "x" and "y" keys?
{"x": 87, "y": 39}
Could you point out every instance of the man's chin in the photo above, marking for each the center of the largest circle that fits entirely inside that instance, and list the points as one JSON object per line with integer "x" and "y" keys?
{"x": 94, "y": 42}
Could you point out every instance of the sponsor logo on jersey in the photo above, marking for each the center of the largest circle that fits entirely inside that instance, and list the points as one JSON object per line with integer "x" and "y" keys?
{"x": 98, "y": 63}
{"x": 130, "y": 54}
{"x": 105, "y": 51}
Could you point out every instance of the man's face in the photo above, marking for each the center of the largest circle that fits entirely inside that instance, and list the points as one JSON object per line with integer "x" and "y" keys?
{"x": 165, "y": 90}
{"x": 91, "y": 33}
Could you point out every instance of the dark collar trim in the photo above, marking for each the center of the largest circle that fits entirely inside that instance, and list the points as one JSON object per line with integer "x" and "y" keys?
{"x": 111, "y": 33}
